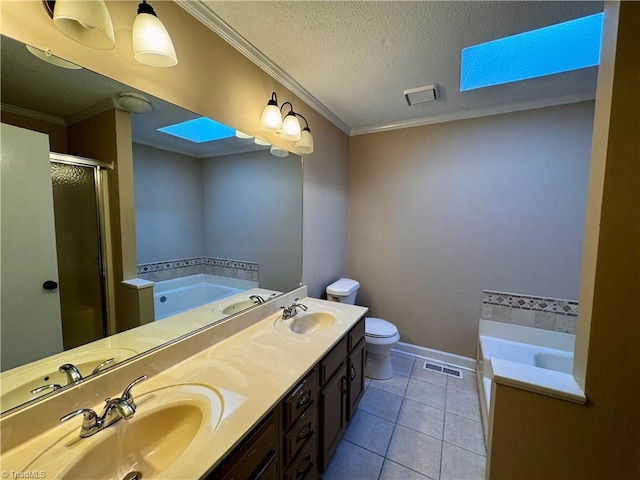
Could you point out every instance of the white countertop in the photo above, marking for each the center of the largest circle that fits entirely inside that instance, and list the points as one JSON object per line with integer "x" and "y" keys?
{"x": 251, "y": 371}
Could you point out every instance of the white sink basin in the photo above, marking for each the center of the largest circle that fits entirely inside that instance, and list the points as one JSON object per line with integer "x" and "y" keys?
{"x": 306, "y": 323}
{"x": 171, "y": 428}
{"x": 238, "y": 306}
{"x": 16, "y": 386}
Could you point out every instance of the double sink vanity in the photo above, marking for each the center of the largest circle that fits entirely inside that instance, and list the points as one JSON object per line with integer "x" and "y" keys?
{"x": 257, "y": 395}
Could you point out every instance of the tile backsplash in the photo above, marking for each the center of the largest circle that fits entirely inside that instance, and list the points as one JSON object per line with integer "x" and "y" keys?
{"x": 530, "y": 311}
{"x": 170, "y": 269}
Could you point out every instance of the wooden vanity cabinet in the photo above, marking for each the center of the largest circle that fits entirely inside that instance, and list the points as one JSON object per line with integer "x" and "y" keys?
{"x": 341, "y": 382}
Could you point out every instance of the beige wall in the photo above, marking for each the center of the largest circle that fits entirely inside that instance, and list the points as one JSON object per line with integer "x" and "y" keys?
{"x": 224, "y": 85}
{"x": 441, "y": 212}
{"x": 538, "y": 437}
{"x": 57, "y": 133}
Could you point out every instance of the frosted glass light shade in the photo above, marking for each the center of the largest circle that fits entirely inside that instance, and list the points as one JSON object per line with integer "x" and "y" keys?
{"x": 290, "y": 128}
{"x": 304, "y": 146}
{"x": 86, "y": 22}
{"x": 271, "y": 120}
{"x": 151, "y": 42}
{"x": 278, "y": 152}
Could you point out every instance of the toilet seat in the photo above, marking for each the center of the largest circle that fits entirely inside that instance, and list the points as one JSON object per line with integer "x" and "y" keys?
{"x": 379, "y": 328}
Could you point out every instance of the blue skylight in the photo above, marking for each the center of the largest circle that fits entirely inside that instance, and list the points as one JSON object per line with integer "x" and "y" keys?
{"x": 558, "y": 48}
{"x": 199, "y": 130}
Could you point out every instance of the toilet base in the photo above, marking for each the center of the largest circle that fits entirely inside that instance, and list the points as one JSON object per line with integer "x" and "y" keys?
{"x": 378, "y": 365}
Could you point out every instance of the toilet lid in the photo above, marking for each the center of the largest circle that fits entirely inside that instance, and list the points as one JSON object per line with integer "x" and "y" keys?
{"x": 377, "y": 327}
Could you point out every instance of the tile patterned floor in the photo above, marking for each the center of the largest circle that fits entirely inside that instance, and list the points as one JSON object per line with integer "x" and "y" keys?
{"x": 418, "y": 425}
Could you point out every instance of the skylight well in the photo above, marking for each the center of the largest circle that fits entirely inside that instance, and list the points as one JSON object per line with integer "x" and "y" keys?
{"x": 199, "y": 130}
{"x": 554, "y": 49}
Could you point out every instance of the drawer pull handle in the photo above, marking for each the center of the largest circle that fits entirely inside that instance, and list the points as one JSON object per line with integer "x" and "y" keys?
{"x": 304, "y": 433}
{"x": 343, "y": 384}
{"x": 304, "y": 399}
{"x": 302, "y": 473}
{"x": 354, "y": 373}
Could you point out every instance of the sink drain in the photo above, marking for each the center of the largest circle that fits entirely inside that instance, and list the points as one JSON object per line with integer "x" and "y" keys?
{"x": 133, "y": 476}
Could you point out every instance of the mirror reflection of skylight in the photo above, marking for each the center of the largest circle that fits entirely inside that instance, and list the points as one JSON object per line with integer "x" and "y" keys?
{"x": 199, "y": 130}
{"x": 558, "y": 48}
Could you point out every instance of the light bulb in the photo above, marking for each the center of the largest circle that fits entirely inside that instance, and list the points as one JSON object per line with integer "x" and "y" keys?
{"x": 290, "y": 128}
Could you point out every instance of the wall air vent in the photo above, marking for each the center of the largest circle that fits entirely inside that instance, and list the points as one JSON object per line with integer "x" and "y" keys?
{"x": 419, "y": 95}
{"x": 452, "y": 372}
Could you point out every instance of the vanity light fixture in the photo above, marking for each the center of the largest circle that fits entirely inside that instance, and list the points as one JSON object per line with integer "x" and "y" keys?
{"x": 86, "y": 22}
{"x": 151, "y": 42}
{"x": 257, "y": 141}
{"x": 289, "y": 127}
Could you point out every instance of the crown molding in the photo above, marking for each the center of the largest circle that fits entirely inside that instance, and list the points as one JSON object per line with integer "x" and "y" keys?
{"x": 101, "y": 106}
{"x": 205, "y": 16}
{"x": 475, "y": 113}
{"x": 33, "y": 114}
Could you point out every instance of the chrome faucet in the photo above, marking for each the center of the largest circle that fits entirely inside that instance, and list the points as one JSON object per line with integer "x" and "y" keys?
{"x": 114, "y": 410}
{"x": 52, "y": 386}
{"x": 292, "y": 310}
{"x": 73, "y": 374}
{"x": 257, "y": 299}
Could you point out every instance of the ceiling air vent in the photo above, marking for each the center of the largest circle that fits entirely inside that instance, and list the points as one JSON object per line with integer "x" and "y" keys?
{"x": 419, "y": 95}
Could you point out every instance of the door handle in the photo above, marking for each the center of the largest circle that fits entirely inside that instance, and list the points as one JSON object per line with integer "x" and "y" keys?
{"x": 50, "y": 285}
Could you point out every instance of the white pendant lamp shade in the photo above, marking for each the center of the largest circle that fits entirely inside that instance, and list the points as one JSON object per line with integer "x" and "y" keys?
{"x": 290, "y": 128}
{"x": 304, "y": 146}
{"x": 151, "y": 42}
{"x": 278, "y": 152}
{"x": 271, "y": 120}
{"x": 86, "y": 22}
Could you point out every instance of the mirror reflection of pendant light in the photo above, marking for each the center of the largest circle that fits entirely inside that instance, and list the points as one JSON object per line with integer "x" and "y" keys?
{"x": 151, "y": 42}
{"x": 271, "y": 120}
{"x": 49, "y": 57}
{"x": 278, "y": 152}
{"x": 86, "y": 22}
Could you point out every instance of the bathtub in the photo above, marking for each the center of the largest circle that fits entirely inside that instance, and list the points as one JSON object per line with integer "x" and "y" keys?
{"x": 540, "y": 361}
{"x": 186, "y": 293}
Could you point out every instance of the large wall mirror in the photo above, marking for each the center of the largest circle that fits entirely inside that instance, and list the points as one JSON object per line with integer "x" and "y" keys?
{"x": 218, "y": 223}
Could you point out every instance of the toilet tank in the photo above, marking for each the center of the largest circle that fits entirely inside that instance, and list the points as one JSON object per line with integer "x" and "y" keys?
{"x": 343, "y": 291}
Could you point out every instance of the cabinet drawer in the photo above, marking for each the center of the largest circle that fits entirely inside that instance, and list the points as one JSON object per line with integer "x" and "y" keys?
{"x": 302, "y": 432}
{"x": 302, "y": 396}
{"x": 269, "y": 471}
{"x": 355, "y": 334}
{"x": 304, "y": 468}
{"x": 250, "y": 460}
{"x": 332, "y": 361}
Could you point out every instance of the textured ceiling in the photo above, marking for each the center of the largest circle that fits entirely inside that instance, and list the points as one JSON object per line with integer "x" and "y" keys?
{"x": 357, "y": 57}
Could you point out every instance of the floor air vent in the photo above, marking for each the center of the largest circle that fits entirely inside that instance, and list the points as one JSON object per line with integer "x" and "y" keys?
{"x": 452, "y": 372}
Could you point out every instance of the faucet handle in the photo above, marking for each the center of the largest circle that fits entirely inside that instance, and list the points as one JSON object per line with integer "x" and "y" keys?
{"x": 299, "y": 305}
{"x": 102, "y": 365}
{"x": 52, "y": 386}
{"x": 126, "y": 395}
{"x": 89, "y": 420}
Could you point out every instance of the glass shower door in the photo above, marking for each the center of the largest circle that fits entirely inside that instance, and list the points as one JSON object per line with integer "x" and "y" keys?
{"x": 78, "y": 244}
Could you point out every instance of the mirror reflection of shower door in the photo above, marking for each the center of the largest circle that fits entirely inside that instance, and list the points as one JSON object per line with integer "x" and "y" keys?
{"x": 78, "y": 243}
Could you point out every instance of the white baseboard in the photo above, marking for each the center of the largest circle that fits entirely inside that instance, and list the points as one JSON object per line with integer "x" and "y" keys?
{"x": 465, "y": 363}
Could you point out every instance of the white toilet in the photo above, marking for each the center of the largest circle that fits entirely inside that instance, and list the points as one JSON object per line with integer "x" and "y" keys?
{"x": 380, "y": 335}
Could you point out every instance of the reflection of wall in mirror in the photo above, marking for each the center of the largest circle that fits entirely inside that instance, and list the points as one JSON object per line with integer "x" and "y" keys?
{"x": 245, "y": 207}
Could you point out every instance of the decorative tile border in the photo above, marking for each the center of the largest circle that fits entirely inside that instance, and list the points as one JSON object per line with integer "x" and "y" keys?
{"x": 159, "y": 271}
{"x": 530, "y": 311}
{"x": 528, "y": 302}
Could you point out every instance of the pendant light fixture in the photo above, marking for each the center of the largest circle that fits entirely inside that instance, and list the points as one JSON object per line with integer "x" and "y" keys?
{"x": 290, "y": 125}
{"x": 271, "y": 120}
{"x": 86, "y": 22}
{"x": 304, "y": 146}
{"x": 289, "y": 128}
{"x": 151, "y": 42}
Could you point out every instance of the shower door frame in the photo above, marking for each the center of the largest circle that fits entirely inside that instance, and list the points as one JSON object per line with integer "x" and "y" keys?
{"x": 98, "y": 167}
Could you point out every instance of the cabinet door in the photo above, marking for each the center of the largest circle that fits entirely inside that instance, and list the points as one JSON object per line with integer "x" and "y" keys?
{"x": 333, "y": 415}
{"x": 355, "y": 368}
